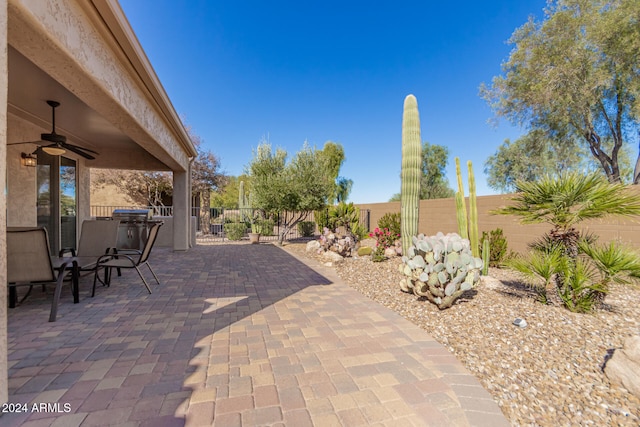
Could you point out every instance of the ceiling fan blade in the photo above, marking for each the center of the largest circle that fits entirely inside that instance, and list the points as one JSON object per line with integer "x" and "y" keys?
{"x": 25, "y": 142}
{"x": 64, "y": 144}
{"x": 78, "y": 151}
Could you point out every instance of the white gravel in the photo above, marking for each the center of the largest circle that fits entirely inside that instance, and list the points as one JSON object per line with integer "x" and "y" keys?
{"x": 546, "y": 374}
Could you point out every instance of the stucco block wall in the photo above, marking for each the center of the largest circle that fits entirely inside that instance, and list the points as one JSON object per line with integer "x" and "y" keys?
{"x": 440, "y": 215}
{"x": 21, "y": 180}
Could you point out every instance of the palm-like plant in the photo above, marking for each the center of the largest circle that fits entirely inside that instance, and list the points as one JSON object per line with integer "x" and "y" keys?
{"x": 569, "y": 199}
{"x": 564, "y": 202}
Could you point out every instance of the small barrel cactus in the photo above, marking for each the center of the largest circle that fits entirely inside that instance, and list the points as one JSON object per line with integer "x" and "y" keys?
{"x": 440, "y": 268}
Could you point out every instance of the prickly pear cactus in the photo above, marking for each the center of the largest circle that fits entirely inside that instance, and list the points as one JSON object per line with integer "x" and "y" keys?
{"x": 440, "y": 268}
{"x": 411, "y": 172}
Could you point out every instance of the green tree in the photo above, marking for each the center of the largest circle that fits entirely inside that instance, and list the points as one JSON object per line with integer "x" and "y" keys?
{"x": 576, "y": 73}
{"x": 434, "y": 184}
{"x": 530, "y": 158}
{"x": 227, "y": 196}
{"x": 292, "y": 188}
{"x": 343, "y": 189}
{"x": 333, "y": 154}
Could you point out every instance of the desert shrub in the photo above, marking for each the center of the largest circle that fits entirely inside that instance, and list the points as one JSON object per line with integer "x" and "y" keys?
{"x": 347, "y": 216}
{"x": 264, "y": 226}
{"x": 321, "y": 218}
{"x": 235, "y": 230}
{"x": 306, "y": 228}
{"x": 497, "y": 246}
{"x": 390, "y": 221}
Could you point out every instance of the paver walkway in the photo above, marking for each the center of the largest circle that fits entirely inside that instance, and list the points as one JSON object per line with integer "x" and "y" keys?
{"x": 235, "y": 335}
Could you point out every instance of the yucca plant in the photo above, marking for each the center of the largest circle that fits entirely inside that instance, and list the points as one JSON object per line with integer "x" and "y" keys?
{"x": 582, "y": 271}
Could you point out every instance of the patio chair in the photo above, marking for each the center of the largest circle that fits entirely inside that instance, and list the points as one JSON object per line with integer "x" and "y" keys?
{"x": 29, "y": 263}
{"x": 97, "y": 238}
{"x": 129, "y": 260}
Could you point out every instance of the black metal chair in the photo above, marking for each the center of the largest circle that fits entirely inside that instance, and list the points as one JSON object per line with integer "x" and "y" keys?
{"x": 129, "y": 260}
{"x": 29, "y": 263}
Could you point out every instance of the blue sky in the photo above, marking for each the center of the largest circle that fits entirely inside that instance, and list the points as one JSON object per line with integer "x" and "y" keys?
{"x": 317, "y": 71}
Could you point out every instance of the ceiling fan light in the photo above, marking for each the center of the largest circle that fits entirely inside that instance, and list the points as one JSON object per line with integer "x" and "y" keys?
{"x": 54, "y": 151}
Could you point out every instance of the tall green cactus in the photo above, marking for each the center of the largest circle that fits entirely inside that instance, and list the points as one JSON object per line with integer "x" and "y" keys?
{"x": 473, "y": 213}
{"x": 411, "y": 172}
{"x": 461, "y": 207}
{"x": 486, "y": 251}
{"x": 241, "y": 197}
{"x": 467, "y": 225}
{"x": 243, "y": 203}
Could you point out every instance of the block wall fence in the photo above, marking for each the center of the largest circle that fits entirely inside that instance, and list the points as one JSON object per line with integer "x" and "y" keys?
{"x": 440, "y": 215}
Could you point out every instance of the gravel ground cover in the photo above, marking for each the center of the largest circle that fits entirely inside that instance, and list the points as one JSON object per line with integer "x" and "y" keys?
{"x": 549, "y": 373}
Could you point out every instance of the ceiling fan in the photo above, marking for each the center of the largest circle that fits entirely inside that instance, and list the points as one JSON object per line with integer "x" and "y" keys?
{"x": 58, "y": 142}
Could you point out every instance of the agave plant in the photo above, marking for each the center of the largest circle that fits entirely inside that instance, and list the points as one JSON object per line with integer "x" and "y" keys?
{"x": 580, "y": 270}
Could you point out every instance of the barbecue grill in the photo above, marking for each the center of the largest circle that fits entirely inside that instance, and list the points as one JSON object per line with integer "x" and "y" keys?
{"x": 134, "y": 227}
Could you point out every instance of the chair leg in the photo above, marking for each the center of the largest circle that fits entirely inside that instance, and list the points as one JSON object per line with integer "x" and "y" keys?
{"x": 153, "y": 272}
{"x": 13, "y": 296}
{"x": 56, "y": 296}
{"x": 25, "y": 295}
{"x": 95, "y": 278}
{"x": 143, "y": 279}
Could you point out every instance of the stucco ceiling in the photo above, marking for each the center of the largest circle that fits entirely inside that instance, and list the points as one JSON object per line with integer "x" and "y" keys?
{"x": 30, "y": 88}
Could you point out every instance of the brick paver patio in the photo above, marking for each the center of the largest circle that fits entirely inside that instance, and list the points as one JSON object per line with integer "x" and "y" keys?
{"x": 235, "y": 335}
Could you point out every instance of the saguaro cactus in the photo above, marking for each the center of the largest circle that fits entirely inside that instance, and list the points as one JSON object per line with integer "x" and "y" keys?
{"x": 243, "y": 203}
{"x": 473, "y": 213}
{"x": 411, "y": 159}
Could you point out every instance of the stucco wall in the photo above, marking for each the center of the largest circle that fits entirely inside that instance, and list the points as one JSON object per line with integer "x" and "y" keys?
{"x": 440, "y": 215}
{"x": 21, "y": 180}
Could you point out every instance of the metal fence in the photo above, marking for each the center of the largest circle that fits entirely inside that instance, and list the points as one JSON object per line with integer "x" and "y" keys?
{"x": 270, "y": 225}
{"x": 107, "y": 211}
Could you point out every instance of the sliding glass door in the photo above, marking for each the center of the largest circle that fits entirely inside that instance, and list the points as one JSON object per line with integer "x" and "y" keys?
{"x": 57, "y": 200}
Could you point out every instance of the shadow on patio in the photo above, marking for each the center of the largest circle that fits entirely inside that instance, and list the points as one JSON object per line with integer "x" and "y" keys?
{"x": 235, "y": 335}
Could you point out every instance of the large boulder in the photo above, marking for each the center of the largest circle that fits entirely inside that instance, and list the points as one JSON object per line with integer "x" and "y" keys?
{"x": 624, "y": 366}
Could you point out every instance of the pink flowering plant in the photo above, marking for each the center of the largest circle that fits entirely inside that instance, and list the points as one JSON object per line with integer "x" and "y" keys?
{"x": 384, "y": 239}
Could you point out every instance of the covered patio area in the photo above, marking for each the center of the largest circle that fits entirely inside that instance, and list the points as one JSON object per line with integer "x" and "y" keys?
{"x": 234, "y": 335}
{"x": 78, "y": 93}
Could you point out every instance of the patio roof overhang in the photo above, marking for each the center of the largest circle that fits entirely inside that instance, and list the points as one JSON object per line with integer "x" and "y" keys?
{"x": 85, "y": 55}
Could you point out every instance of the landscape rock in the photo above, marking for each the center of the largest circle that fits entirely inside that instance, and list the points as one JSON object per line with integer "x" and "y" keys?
{"x": 390, "y": 252}
{"x": 624, "y": 366}
{"x": 331, "y": 256}
{"x": 313, "y": 246}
